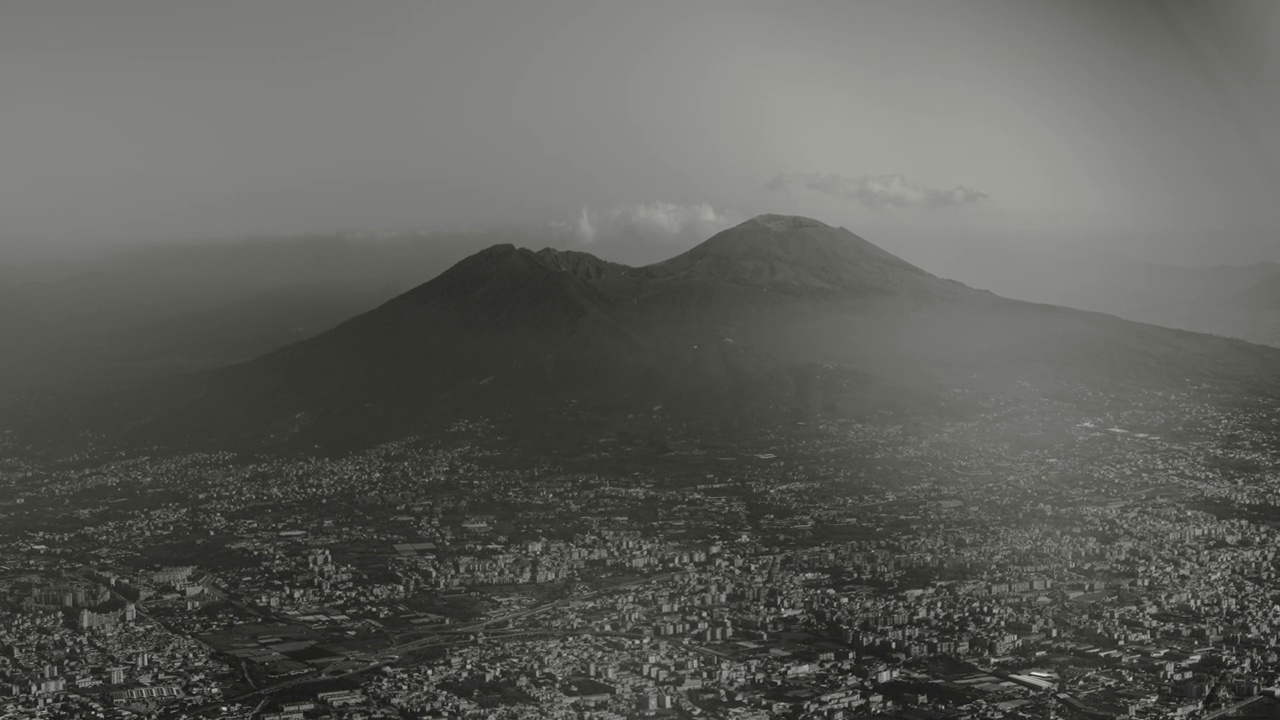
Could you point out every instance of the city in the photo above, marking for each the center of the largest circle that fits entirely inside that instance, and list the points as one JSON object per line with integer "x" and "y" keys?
{"x": 1025, "y": 562}
{"x": 639, "y": 360}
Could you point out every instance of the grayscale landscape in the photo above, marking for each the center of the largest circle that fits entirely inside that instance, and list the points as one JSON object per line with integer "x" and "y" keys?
{"x": 726, "y": 360}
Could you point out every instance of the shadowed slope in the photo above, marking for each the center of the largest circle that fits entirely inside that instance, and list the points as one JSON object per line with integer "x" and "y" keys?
{"x": 777, "y": 313}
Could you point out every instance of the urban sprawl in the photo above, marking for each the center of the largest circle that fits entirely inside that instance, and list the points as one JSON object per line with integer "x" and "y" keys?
{"x": 1011, "y": 557}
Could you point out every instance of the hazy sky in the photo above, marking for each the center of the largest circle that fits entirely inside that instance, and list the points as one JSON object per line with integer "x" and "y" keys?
{"x": 1146, "y": 126}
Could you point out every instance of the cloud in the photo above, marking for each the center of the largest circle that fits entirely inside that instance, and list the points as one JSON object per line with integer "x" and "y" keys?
{"x": 641, "y": 233}
{"x": 583, "y": 229}
{"x": 660, "y": 221}
{"x": 879, "y": 191}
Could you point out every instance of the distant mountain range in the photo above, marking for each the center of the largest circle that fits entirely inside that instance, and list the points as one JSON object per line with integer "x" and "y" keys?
{"x": 778, "y": 316}
{"x": 1264, "y": 295}
{"x": 165, "y": 309}
{"x": 1236, "y": 301}
{"x": 174, "y": 308}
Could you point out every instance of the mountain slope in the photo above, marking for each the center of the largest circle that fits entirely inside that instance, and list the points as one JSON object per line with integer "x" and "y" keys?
{"x": 777, "y": 314}
{"x": 1264, "y": 295}
{"x": 1203, "y": 299}
{"x": 799, "y": 253}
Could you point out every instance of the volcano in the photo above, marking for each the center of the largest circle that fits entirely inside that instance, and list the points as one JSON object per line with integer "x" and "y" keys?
{"x": 778, "y": 314}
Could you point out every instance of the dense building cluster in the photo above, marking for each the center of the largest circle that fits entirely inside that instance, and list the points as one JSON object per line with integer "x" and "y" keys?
{"x": 1020, "y": 560}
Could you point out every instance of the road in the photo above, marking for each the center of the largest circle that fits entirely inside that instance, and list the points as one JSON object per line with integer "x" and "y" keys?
{"x": 1231, "y": 709}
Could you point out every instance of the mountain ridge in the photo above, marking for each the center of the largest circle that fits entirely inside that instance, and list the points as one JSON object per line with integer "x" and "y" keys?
{"x": 779, "y": 314}
{"x": 790, "y": 250}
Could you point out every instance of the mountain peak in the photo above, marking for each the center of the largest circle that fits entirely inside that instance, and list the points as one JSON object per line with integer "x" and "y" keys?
{"x": 778, "y": 312}
{"x": 783, "y": 223}
{"x": 799, "y": 253}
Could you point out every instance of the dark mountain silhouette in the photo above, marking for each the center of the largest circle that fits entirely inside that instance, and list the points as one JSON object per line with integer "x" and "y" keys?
{"x": 779, "y": 314}
{"x": 171, "y": 308}
{"x": 795, "y": 252}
